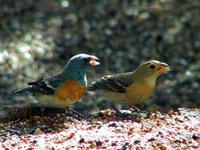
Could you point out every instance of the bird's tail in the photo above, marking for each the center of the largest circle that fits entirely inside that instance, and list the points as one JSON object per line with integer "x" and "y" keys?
{"x": 22, "y": 91}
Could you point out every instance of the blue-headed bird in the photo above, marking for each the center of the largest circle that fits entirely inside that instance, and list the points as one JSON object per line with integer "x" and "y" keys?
{"x": 64, "y": 88}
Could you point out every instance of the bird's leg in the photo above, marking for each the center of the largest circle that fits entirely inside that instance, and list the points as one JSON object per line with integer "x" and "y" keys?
{"x": 134, "y": 108}
{"x": 78, "y": 114}
{"x": 42, "y": 110}
{"x": 118, "y": 112}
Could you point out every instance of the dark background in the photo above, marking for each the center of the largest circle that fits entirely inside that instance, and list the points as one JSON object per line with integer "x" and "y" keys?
{"x": 37, "y": 37}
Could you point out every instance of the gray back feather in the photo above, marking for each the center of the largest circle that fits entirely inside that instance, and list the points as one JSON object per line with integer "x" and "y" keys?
{"x": 116, "y": 83}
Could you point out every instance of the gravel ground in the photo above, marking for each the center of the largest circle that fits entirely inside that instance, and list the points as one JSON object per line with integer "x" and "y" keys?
{"x": 105, "y": 130}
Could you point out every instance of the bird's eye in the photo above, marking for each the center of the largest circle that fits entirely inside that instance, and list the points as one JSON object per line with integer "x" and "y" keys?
{"x": 152, "y": 66}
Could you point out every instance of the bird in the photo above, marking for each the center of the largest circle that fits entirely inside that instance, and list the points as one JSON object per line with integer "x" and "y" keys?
{"x": 65, "y": 88}
{"x": 130, "y": 88}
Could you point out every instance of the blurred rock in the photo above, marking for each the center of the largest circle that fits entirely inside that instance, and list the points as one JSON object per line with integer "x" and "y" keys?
{"x": 38, "y": 37}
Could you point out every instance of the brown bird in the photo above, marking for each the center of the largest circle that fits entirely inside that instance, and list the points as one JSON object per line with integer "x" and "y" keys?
{"x": 132, "y": 87}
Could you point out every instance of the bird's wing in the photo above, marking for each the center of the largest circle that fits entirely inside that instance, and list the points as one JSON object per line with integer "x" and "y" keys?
{"x": 42, "y": 86}
{"x": 115, "y": 83}
{"x": 45, "y": 86}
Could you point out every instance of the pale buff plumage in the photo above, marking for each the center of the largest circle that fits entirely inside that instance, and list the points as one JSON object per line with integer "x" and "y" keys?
{"x": 132, "y": 87}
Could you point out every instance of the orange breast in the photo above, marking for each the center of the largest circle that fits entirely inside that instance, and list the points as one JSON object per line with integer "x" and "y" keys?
{"x": 70, "y": 91}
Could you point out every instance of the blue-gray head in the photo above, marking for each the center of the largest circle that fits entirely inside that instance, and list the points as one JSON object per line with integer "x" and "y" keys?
{"x": 81, "y": 63}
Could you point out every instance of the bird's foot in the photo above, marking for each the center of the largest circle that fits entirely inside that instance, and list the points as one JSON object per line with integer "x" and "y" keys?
{"x": 119, "y": 113}
{"x": 81, "y": 116}
{"x": 136, "y": 109}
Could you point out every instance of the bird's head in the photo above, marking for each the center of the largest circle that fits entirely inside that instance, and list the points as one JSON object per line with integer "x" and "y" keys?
{"x": 82, "y": 63}
{"x": 152, "y": 68}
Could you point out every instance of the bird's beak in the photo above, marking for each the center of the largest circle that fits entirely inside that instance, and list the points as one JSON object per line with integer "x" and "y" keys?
{"x": 164, "y": 68}
{"x": 94, "y": 61}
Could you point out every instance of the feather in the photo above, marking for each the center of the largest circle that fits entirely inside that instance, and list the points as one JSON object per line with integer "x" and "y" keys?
{"x": 116, "y": 83}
